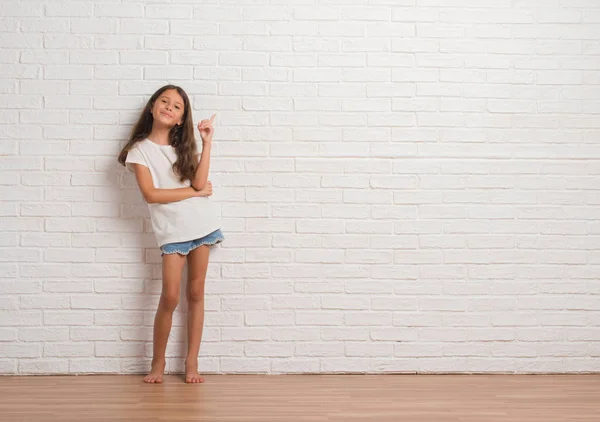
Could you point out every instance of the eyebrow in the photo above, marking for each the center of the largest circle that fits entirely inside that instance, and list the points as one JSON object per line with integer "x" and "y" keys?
{"x": 176, "y": 102}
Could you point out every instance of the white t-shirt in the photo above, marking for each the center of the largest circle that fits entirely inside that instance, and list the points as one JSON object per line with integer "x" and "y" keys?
{"x": 179, "y": 221}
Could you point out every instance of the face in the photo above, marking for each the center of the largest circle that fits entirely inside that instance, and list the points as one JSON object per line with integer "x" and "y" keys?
{"x": 168, "y": 108}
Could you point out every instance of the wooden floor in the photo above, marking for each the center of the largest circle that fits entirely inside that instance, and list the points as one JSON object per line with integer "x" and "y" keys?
{"x": 281, "y": 398}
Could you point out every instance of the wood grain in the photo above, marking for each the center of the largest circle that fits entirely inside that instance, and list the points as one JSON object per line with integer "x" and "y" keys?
{"x": 303, "y": 398}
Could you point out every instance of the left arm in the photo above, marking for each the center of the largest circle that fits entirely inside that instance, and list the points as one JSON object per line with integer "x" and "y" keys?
{"x": 206, "y": 132}
{"x": 201, "y": 175}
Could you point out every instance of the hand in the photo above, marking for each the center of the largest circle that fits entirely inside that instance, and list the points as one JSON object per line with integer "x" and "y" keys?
{"x": 207, "y": 191}
{"x": 206, "y": 129}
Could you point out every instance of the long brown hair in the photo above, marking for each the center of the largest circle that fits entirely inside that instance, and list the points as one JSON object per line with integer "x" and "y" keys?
{"x": 181, "y": 137}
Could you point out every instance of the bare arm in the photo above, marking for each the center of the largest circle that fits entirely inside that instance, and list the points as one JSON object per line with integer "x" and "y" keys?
{"x": 201, "y": 176}
{"x": 153, "y": 195}
{"x": 206, "y": 133}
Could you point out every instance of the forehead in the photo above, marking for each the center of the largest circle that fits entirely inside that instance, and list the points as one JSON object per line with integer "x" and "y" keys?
{"x": 173, "y": 95}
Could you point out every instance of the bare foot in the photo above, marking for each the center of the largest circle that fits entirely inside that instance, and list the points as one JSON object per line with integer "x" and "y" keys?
{"x": 156, "y": 373}
{"x": 191, "y": 373}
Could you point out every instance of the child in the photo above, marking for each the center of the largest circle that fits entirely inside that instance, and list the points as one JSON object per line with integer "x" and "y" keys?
{"x": 172, "y": 177}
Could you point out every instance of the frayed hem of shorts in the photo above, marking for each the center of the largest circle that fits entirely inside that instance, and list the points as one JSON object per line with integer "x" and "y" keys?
{"x": 217, "y": 240}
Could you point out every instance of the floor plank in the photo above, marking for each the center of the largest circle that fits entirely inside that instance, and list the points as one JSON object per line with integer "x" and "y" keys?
{"x": 303, "y": 398}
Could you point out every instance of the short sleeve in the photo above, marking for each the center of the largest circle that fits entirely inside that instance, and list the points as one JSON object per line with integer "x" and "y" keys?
{"x": 134, "y": 156}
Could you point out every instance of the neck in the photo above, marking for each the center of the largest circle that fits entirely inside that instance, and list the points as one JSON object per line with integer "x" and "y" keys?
{"x": 160, "y": 135}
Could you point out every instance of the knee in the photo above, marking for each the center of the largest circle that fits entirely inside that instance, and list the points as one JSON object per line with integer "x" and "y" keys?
{"x": 169, "y": 301}
{"x": 195, "y": 291}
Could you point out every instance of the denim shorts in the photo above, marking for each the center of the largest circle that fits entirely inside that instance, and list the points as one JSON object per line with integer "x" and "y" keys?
{"x": 185, "y": 248}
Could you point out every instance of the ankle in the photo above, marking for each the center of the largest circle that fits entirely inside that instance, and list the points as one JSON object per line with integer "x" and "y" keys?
{"x": 158, "y": 361}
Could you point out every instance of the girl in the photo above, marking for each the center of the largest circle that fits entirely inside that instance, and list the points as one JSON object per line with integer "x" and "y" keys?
{"x": 173, "y": 179}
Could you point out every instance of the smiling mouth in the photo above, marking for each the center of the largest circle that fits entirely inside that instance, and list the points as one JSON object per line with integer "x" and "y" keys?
{"x": 167, "y": 114}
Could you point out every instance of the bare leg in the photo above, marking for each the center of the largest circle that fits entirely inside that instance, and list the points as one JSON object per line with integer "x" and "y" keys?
{"x": 197, "y": 268}
{"x": 171, "y": 271}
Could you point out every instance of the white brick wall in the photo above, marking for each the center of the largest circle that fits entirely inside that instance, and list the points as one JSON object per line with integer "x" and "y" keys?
{"x": 406, "y": 186}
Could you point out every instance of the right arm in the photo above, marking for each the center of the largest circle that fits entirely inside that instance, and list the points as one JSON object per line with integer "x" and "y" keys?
{"x": 153, "y": 195}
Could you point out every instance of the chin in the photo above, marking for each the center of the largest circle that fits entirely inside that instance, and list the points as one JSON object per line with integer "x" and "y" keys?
{"x": 165, "y": 120}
